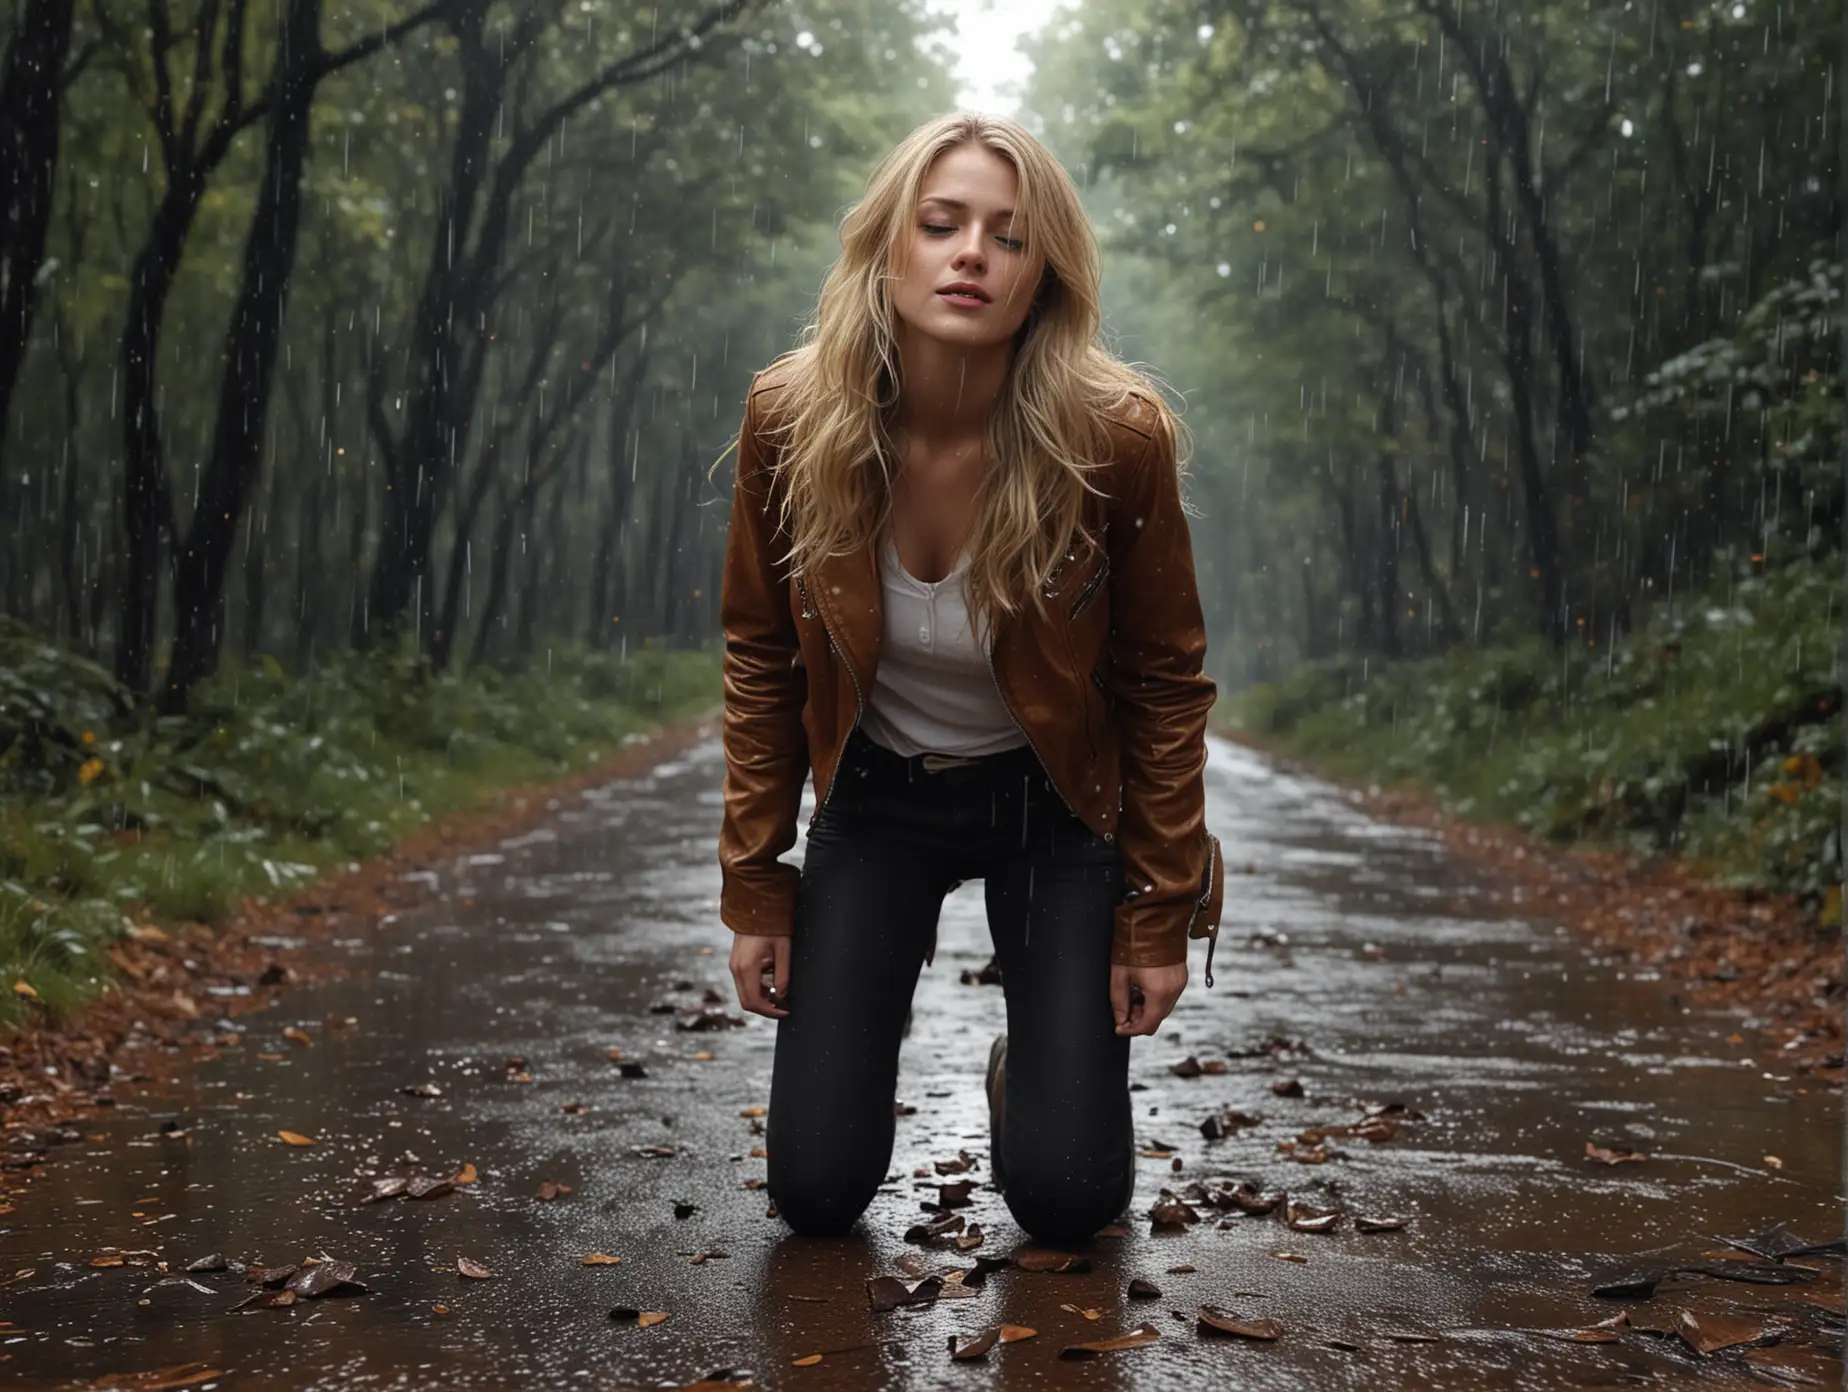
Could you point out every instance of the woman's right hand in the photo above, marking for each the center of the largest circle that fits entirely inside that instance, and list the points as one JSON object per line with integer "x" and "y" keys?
{"x": 760, "y": 969}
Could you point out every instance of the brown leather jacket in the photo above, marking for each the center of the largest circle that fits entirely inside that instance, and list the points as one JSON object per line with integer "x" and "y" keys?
{"x": 1108, "y": 689}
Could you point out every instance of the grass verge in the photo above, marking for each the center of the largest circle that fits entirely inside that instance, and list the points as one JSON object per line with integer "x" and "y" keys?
{"x": 110, "y": 816}
{"x": 1713, "y": 733}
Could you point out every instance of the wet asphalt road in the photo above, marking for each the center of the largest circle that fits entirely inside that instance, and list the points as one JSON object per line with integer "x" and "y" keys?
{"x": 1353, "y": 958}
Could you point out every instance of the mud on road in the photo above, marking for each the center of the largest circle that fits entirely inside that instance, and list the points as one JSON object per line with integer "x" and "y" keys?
{"x": 535, "y": 1052}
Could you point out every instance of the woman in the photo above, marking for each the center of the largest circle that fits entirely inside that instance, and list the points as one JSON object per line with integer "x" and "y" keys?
{"x": 959, "y": 588}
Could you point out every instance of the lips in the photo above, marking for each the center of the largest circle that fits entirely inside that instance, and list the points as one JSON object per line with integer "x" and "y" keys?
{"x": 964, "y": 290}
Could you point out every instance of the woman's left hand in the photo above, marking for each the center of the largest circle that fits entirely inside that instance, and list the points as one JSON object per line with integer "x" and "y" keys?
{"x": 1141, "y": 997}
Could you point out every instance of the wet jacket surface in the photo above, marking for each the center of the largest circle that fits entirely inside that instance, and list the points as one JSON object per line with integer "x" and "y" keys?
{"x": 1108, "y": 687}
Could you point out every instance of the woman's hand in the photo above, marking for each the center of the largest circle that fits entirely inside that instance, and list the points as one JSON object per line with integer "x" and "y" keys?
{"x": 760, "y": 968}
{"x": 1141, "y": 997}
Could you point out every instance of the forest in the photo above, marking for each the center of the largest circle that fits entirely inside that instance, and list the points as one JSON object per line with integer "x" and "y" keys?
{"x": 1507, "y": 337}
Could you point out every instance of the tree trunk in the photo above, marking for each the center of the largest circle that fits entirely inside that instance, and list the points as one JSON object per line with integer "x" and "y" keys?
{"x": 29, "y": 138}
{"x": 252, "y": 343}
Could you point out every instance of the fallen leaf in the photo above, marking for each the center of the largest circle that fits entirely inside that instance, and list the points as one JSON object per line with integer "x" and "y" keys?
{"x": 1775, "y": 1162}
{"x": 655, "y": 1152}
{"x": 806, "y": 1361}
{"x": 1797, "y": 1367}
{"x": 1078, "y": 1310}
{"x": 956, "y": 1194}
{"x": 927, "y": 1233}
{"x": 598, "y": 1259}
{"x": 1180, "y": 1270}
{"x": 753, "y": 1112}
{"x": 266, "y": 1300}
{"x": 214, "y": 1262}
{"x": 1188, "y": 1067}
{"x": 22, "y": 988}
{"x": 888, "y": 1292}
{"x": 574, "y": 1108}
{"x": 421, "y": 1090}
{"x": 1364, "y": 1224}
{"x": 644, "y": 1318}
{"x": 391, "y": 1188}
{"x": 1138, "y": 1337}
{"x": 1140, "y": 1289}
{"x": 1014, "y": 1333}
{"x": 1288, "y": 1087}
{"x": 1639, "y": 1287}
{"x": 427, "y": 1187}
{"x": 467, "y": 1266}
{"x": 326, "y": 1278}
{"x": 1612, "y": 1155}
{"x": 651, "y": 1317}
{"x": 1775, "y": 1243}
{"x": 1305, "y": 1218}
{"x": 970, "y": 1349}
{"x": 296, "y": 1035}
{"x": 270, "y": 1275}
{"x": 1041, "y": 1259}
{"x": 295, "y": 1138}
{"x": 439, "y": 1309}
{"x": 1113, "y": 1230}
{"x": 549, "y": 1191}
{"x": 465, "y": 1175}
{"x": 1215, "y": 1320}
{"x": 1227, "y": 1122}
{"x": 108, "y": 1259}
{"x": 1173, "y": 1215}
{"x": 1289, "y": 1256}
{"x": 1711, "y": 1333}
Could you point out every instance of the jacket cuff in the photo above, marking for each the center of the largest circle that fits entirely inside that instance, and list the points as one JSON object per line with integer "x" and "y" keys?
{"x": 1149, "y": 935}
{"x": 764, "y": 906}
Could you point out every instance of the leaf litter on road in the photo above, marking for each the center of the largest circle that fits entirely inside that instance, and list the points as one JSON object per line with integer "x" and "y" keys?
{"x": 1214, "y": 1319}
{"x": 1139, "y": 1337}
{"x": 474, "y": 1270}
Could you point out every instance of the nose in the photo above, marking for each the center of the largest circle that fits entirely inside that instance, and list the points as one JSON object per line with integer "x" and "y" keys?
{"x": 970, "y": 251}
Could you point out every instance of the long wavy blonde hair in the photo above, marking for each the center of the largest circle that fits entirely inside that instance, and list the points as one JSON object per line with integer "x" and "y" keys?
{"x": 1047, "y": 431}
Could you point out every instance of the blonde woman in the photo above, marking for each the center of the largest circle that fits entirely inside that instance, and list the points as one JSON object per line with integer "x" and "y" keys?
{"x": 959, "y": 590}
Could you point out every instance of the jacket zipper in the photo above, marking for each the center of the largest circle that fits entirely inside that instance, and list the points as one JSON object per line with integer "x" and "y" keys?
{"x": 859, "y": 697}
{"x": 1206, "y": 893}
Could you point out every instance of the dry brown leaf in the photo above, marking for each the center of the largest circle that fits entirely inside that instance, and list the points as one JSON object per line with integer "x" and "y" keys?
{"x": 1304, "y": 1218}
{"x": 1711, "y": 1333}
{"x": 970, "y": 1349}
{"x": 465, "y": 1175}
{"x": 598, "y": 1259}
{"x": 650, "y": 1317}
{"x": 1289, "y": 1256}
{"x": 549, "y": 1191}
{"x": 1215, "y": 1320}
{"x": 22, "y": 988}
{"x": 296, "y": 1035}
{"x": 752, "y": 1112}
{"x": 1138, "y": 1337}
{"x": 466, "y": 1266}
{"x": 1381, "y": 1224}
{"x": 108, "y": 1259}
{"x": 1014, "y": 1333}
{"x": 806, "y": 1361}
{"x": 295, "y": 1138}
{"x": 1612, "y": 1155}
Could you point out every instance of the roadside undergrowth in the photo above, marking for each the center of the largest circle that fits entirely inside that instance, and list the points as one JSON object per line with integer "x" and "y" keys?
{"x": 1712, "y": 734}
{"x": 111, "y": 816}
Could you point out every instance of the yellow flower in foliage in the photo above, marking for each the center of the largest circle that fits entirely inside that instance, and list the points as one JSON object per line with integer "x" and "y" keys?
{"x": 91, "y": 768}
{"x": 89, "y": 737}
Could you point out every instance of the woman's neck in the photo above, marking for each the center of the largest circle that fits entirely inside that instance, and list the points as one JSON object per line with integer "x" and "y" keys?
{"x": 946, "y": 391}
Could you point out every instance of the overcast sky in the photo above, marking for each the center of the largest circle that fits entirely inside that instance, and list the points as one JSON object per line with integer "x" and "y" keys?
{"x": 987, "y": 62}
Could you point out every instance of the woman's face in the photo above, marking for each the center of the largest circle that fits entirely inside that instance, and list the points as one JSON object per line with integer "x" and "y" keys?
{"x": 963, "y": 233}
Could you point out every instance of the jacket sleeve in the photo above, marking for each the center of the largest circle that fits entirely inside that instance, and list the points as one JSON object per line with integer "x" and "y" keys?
{"x": 766, "y": 750}
{"x": 1171, "y": 873}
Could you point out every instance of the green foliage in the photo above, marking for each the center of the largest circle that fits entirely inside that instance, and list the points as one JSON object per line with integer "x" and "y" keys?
{"x": 270, "y": 779}
{"x": 1714, "y": 732}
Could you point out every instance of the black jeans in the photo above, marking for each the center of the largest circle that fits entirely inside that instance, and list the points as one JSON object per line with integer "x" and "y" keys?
{"x": 893, "y": 838}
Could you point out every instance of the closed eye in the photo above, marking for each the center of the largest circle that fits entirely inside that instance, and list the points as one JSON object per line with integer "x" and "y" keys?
{"x": 1011, "y": 243}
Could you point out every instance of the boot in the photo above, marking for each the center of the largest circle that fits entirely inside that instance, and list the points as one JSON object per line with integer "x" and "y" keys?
{"x": 997, "y": 1064}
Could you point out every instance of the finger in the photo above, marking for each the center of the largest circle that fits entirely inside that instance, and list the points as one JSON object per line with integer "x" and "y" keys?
{"x": 779, "y": 970}
{"x": 1119, "y": 999}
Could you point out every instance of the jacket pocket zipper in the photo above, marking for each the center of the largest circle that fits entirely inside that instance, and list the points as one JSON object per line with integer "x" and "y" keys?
{"x": 1206, "y": 894}
{"x": 1090, "y": 588}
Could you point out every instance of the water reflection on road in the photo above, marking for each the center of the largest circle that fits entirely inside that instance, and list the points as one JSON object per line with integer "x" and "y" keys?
{"x": 1354, "y": 958}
